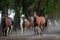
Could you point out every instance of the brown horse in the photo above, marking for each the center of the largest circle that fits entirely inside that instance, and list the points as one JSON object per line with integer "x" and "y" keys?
{"x": 39, "y": 22}
{"x": 31, "y": 21}
{"x": 6, "y": 24}
{"x": 27, "y": 23}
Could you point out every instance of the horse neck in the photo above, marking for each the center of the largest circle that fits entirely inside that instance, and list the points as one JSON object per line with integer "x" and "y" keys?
{"x": 36, "y": 17}
{"x": 3, "y": 22}
{"x": 3, "y": 19}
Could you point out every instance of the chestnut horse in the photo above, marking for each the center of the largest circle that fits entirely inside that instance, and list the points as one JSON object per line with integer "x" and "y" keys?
{"x": 27, "y": 23}
{"x": 39, "y": 22}
{"x": 6, "y": 24}
{"x": 30, "y": 19}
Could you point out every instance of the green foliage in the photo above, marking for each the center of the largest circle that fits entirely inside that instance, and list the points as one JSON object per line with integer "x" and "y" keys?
{"x": 21, "y": 11}
{"x": 51, "y": 7}
{"x": 6, "y": 3}
{"x": 31, "y": 4}
{"x": 28, "y": 2}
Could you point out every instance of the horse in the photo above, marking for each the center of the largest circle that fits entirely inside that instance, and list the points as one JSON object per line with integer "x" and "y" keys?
{"x": 27, "y": 23}
{"x": 7, "y": 24}
{"x": 30, "y": 19}
{"x": 39, "y": 22}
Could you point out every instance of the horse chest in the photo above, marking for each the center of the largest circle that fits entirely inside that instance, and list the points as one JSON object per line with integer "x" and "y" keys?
{"x": 38, "y": 20}
{"x": 3, "y": 23}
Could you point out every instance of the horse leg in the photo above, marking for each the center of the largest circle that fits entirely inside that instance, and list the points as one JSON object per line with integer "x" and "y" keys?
{"x": 24, "y": 29}
{"x": 44, "y": 28}
{"x": 32, "y": 27}
{"x": 7, "y": 31}
{"x": 3, "y": 30}
{"x": 11, "y": 29}
{"x": 36, "y": 30}
{"x": 41, "y": 27}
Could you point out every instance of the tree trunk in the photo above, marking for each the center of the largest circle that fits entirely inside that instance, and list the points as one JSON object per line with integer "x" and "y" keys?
{"x": 17, "y": 16}
{"x": 39, "y": 8}
{"x": 24, "y": 8}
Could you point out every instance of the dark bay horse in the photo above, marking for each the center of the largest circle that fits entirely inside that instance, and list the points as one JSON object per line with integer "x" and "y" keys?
{"x": 39, "y": 22}
{"x": 6, "y": 24}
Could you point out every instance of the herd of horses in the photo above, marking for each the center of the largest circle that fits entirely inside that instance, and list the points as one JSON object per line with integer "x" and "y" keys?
{"x": 38, "y": 22}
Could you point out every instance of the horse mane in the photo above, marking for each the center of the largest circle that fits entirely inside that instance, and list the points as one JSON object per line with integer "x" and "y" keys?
{"x": 35, "y": 23}
{"x": 3, "y": 22}
{"x": 34, "y": 19}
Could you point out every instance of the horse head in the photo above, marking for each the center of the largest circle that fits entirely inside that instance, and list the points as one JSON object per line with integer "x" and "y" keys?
{"x": 4, "y": 15}
{"x": 35, "y": 14}
{"x": 29, "y": 18}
